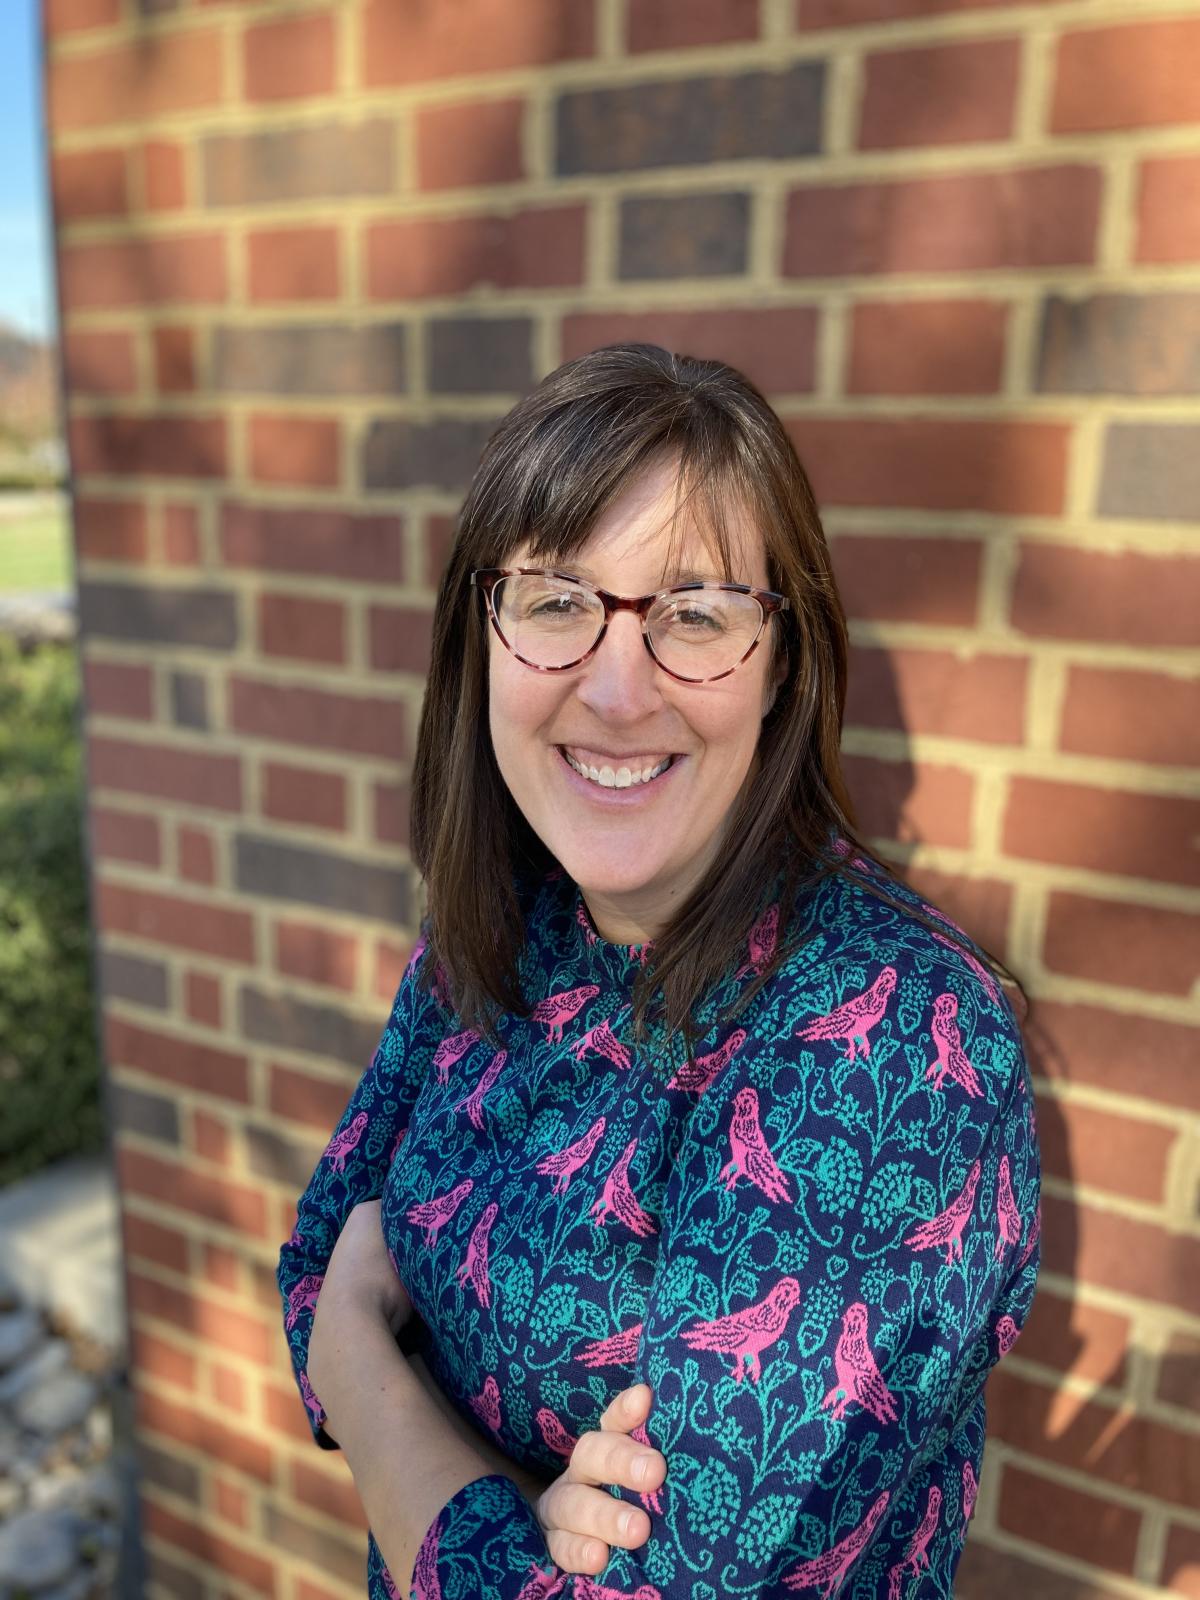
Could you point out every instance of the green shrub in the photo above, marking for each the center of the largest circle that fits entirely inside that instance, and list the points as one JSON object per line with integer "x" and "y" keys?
{"x": 49, "y": 1064}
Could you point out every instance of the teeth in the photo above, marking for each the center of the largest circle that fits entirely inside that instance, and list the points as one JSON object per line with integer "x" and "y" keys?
{"x": 622, "y": 778}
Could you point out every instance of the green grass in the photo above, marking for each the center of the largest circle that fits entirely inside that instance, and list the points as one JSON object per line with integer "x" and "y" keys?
{"x": 35, "y": 550}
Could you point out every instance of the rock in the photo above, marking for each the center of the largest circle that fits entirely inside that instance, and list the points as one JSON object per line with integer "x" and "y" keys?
{"x": 37, "y": 1550}
{"x": 10, "y": 1497}
{"x": 51, "y": 1357}
{"x": 19, "y": 1333}
{"x": 60, "y": 1402}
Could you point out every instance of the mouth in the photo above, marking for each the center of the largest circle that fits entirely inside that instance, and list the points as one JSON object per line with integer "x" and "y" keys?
{"x": 637, "y": 772}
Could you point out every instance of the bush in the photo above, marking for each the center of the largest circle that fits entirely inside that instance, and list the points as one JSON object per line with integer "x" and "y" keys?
{"x": 49, "y": 1062}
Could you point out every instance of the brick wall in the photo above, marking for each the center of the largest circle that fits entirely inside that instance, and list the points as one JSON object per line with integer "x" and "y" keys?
{"x": 307, "y": 254}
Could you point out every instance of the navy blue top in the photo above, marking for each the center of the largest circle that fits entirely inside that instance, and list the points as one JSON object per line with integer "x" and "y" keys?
{"x": 813, "y": 1244}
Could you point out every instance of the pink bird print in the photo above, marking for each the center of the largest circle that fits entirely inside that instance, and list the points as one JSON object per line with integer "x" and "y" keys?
{"x": 650, "y": 1498}
{"x": 947, "y": 1042}
{"x": 747, "y": 1332}
{"x": 618, "y": 1199}
{"x": 425, "y": 1582}
{"x": 302, "y": 1297}
{"x": 854, "y": 1020}
{"x": 750, "y": 1156}
{"x": 433, "y": 1215}
{"x": 1035, "y": 1234}
{"x": 618, "y": 1350}
{"x": 1007, "y": 1334}
{"x": 395, "y": 1150}
{"x": 542, "y": 1585}
{"x": 566, "y": 1163}
{"x": 581, "y": 917}
{"x": 1008, "y": 1217}
{"x": 418, "y": 951}
{"x": 895, "y": 1581}
{"x": 472, "y": 1104}
{"x": 970, "y": 1489}
{"x": 605, "y": 1043}
{"x": 700, "y": 1074}
{"x": 588, "y": 1589}
{"x": 475, "y": 1262}
{"x": 451, "y": 1050}
{"x": 761, "y": 942}
{"x": 486, "y": 1404}
{"x": 311, "y": 1404}
{"x": 828, "y": 1572}
{"x": 555, "y": 1436}
{"x": 421, "y": 1585}
{"x": 858, "y": 1377}
{"x": 917, "y": 1554}
{"x": 976, "y": 966}
{"x": 340, "y": 1146}
{"x": 947, "y": 1227}
{"x": 557, "y": 1009}
{"x": 439, "y": 986}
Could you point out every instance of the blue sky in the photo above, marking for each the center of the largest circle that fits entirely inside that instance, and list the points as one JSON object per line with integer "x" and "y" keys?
{"x": 26, "y": 296}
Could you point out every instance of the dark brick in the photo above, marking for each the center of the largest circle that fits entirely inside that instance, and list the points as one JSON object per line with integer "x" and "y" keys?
{"x": 135, "y": 1111}
{"x": 442, "y": 454}
{"x": 168, "y": 1472}
{"x": 480, "y": 355}
{"x": 684, "y": 235}
{"x": 168, "y": 1578}
{"x": 315, "y": 1030}
{"x": 136, "y": 978}
{"x": 773, "y": 345}
{"x": 692, "y": 121}
{"x": 330, "y": 543}
{"x": 401, "y": 638}
{"x": 992, "y": 1572}
{"x": 1151, "y": 469}
{"x": 313, "y": 358}
{"x": 303, "y": 1539}
{"x": 203, "y": 619}
{"x": 309, "y": 162}
{"x": 319, "y": 878}
{"x": 189, "y": 700}
{"x": 1143, "y": 344}
{"x": 278, "y": 1159}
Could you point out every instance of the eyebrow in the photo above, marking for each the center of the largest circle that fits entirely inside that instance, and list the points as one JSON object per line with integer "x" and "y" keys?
{"x": 675, "y": 575}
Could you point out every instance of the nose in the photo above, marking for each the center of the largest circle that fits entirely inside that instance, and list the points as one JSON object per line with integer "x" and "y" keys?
{"x": 621, "y": 682}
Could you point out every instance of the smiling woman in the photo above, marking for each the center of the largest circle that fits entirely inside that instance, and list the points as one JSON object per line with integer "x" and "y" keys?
{"x": 681, "y": 1089}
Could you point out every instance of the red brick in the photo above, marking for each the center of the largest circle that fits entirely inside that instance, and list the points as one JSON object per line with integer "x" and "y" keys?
{"x": 158, "y": 1358}
{"x": 333, "y": 1496}
{"x": 436, "y": 545}
{"x": 301, "y": 451}
{"x": 228, "y": 1203}
{"x": 392, "y": 801}
{"x": 858, "y": 13}
{"x": 285, "y": 1413}
{"x": 1120, "y": 1051}
{"x": 220, "y": 1326}
{"x": 228, "y": 1387}
{"x": 1076, "y": 1338}
{"x": 299, "y": 1096}
{"x": 89, "y": 183}
{"x": 291, "y": 57}
{"x": 894, "y": 800}
{"x": 210, "y": 930}
{"x": 775, "y": 346}
{"x": 151, "y": 1241}
{"x": 210, "y": 1139}
{"x": 1114, "y": 1251}
{"x": 1132, "y": 715}
{"x": 288, "y": 264}
{"x": 100, "y": 362}
{"x": 933, "y": 581}
{"x": 1102, "y": 830}
{"x": 963, "y": 222}
{"x": 159, "y": 74}
{"x": 1115, "y": 598}
{"x": 665, "y": 25}
{"x": 319, "y": 718}
{"x": 197, "y": 854}
{"x": 118, "y": 689}
{"x": 1092, "y": 1529}
{"x": 391, "y": 962}
{"x": 927, "y": 347}
{"x": 1101, "y": 1150}
{"x": 1179, "y": 1371}
{"x": 181, "y": 535}
{"x": 143, "y": 272}
{"x": 167, "y": 447}
{"x": 73, "y": 16}
{"x": 474, "y": 36}
{"x": 164, "y": 175}
{"x": 305, "y": 1590}
{"x": 185, "y": 1534}
{"x": 401, "y": 638}
{"x": 202, "y": 998}
{"x": 1116, "y": 942}
{"x": 939, "y": 94}
{"x": 333, "y": 544}
{"x": 304, "y": 794}
{"x": 1168, "y": 210}
{"x": 317, "y": 955}
{"x": 174, "y": 360}
{"x": 944, "y": 464}
{"x": 173, "y": 1059}
{"x": 534, "y": 249}
{"x": 470, "y": 144}
{"x": 942, "y": 692}
{"x": 193, "y": 776}
{"x": 1181, "y": 1560}
{"x": 230, "y": 1503}
{"x": 981, "y": 906}
{"x": 110, "y": 530}
{"x": 123, "y": 836}
{"x": 302, "y": 628}
{"x": 1131, "y": 75}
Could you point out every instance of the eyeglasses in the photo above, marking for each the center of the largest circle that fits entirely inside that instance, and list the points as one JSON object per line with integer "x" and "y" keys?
{"x": 696, "y": 632}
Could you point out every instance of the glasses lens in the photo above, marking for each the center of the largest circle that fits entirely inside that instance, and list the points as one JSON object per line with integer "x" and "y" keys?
{"x": 547, "y": 621}
{"x": 701, "y": 633}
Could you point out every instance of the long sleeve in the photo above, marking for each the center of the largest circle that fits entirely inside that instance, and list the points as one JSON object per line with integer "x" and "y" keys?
{"x": 848, "y": 1243}
{"x": 354, "y": 1165}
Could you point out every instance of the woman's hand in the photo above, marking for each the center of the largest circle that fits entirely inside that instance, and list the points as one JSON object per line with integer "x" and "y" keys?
{"x": 360, "y": 1276}
{"x": 581, "y": 1520}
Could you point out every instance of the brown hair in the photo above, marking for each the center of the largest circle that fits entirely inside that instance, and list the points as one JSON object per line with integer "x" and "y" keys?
{"x": 548, "y": 471}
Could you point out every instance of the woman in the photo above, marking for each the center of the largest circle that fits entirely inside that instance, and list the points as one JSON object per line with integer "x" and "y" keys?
{"x": 681, "y": 1089}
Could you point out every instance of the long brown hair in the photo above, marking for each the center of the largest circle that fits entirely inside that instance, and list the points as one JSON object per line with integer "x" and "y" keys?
{"x": 548, "y": 471}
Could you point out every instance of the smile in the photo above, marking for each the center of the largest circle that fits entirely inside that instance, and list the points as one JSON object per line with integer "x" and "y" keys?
{"x": 621, "y": 777}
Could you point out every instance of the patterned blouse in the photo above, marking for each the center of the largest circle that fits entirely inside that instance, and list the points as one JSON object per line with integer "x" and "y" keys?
{"x": 813, "y": 1243}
